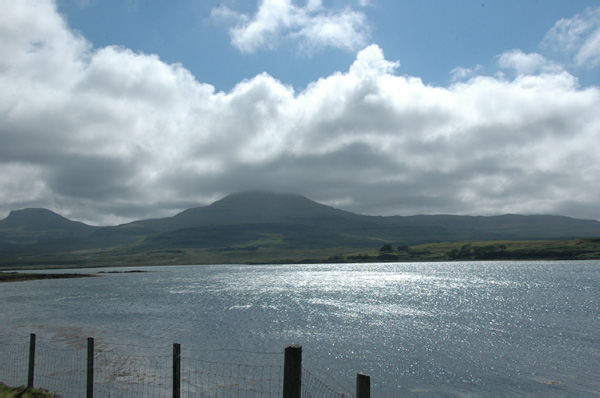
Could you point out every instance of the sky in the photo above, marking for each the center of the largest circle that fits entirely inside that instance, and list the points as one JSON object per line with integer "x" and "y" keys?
{"x": 117, "y": 110}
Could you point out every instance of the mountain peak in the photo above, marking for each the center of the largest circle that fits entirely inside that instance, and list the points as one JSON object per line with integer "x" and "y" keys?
{"x": 32, "y": 215}
{"x": 269, "y": 205}
{"x": 262, "y": 198}
{"x": 256, "y": 207}
{"x": 38, "y": 219}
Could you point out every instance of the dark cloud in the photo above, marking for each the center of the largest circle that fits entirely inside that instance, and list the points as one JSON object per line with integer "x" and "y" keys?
{"x": 94, "y": 178}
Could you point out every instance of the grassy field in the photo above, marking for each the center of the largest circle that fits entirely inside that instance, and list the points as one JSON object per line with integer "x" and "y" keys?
{"x": 268, "y": 252}
{"x": 575, "y": 249}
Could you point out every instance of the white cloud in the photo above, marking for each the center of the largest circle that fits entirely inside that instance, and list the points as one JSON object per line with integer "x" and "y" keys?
{"x": 112, "y": 135}
{"x": 527, "y": 64}
{"x": 460, "y": 73}
{"x": 578, "y": 38}
{"x": 371, "y": 62}
{"x": 312, "y": 27}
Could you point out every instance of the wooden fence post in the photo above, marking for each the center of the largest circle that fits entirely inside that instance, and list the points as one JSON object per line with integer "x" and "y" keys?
{"x": 31, "y": 360}
{"x": 292, "y": 372}
{"x": 176, "y": 370}
{"x": 90, "y": 368}
{"x": 363, "y": 386}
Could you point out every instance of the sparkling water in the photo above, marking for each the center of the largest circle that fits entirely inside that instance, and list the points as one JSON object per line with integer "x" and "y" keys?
{"x": 415, "y": 328}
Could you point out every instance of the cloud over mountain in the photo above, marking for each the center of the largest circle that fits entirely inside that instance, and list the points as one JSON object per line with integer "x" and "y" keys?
{"x": 107, "y": 135}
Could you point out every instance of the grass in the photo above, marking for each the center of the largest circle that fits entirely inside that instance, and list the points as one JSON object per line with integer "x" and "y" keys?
{"x": 268, "y": 249}
{"x": 24, "y": 392}
{"x": 574, "y": 249}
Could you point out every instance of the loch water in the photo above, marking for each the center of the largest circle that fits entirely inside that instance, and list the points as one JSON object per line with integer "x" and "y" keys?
{"x": 474, "y": 328}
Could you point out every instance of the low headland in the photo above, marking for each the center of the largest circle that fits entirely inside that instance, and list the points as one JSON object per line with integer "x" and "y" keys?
{"x": 21, "y": 277}
{"x": 14, "y": 276}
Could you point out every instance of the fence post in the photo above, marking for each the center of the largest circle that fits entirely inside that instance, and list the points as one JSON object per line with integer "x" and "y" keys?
{"x": 90, "y": 368}
{"x": 31, "y": 360}
{"x": 363, "y": 386}
{"x": 292, "y": 372}
{"x": 176, "y": 370}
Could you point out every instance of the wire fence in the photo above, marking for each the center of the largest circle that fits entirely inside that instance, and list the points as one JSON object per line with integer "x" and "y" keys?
{"x": 13, "y": 362}
{"x": 59, "y": 369}
{"x": 211, "y": 379}
{"x": 312, "y": 386}
{"x": 80, "y": 370}
{"x": 126, "y": 375}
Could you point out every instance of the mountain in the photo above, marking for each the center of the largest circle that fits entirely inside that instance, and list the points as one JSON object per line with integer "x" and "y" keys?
{"x": 508, "y": 226}
{"x": 243, "y": 209}
{"x": 257, "y": 226}
{"x": 31, "y": 226}
{"x": 247, "y": 219}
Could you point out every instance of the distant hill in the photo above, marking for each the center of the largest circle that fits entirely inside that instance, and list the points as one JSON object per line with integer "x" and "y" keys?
{"x": 254, "y": 208}
{"x": 257, "y": 226}
{"x": 237, "y": 209}
{"x": 31, "y": 226}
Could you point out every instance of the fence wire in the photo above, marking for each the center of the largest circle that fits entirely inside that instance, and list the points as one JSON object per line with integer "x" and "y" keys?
{"x": 216, "y": 379}
{"x": 61, "y": 368}
{"x": 124, "y": 375}
{"x": 314, "y": 387}
{"x": 14, "y": 359}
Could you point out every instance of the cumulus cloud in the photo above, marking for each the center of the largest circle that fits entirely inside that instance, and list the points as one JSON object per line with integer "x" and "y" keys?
{"x": 312, "y": 27}
{"x": 111, "y": 135}
{"x": 578, "y": 37}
